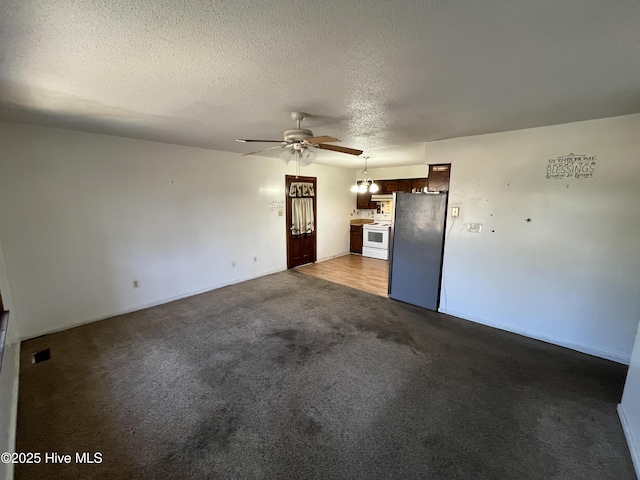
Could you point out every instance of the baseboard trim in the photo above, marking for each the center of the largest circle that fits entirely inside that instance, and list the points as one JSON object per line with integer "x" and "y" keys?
{"x": 151, "y": 304}
{"x": 165, "y": 300}
{"x": 633, "y": 446}
{"x": 324, "y": 259}
{"x": 554, "y": 341}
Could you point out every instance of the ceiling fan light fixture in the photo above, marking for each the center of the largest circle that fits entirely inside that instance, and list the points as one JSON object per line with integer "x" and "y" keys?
{"x": 286, "y": 155}
{"x": 299, "y": 144}
{"x": 307, "y": 157}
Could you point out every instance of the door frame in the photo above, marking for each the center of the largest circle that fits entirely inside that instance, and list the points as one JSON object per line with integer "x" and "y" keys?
{"x": 288, "y": 179}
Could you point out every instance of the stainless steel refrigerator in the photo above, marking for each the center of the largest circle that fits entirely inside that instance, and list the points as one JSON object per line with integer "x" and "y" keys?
{"x": 417, "y": 247}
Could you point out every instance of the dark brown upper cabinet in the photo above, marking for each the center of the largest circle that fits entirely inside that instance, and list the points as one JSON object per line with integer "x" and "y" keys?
{"x": 363, "y": 201}
{"x": 388, "y": 186}
{"x": 404, "y": 186}
{"x": 439, "y": 177}
{"x": 419, "y": 184}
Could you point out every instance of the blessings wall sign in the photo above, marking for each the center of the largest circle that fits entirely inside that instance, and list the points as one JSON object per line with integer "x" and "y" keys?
{"x": 571, "y": 166}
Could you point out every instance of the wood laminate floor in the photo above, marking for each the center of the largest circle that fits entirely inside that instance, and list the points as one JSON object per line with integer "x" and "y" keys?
{"x": 356, "y": 271}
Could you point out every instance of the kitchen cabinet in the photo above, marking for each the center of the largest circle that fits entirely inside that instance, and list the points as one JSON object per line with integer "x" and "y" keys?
{"x": 404, "y": 186}
{"x": 439, "y": 178}
{"x": 355, "y": 237}
{"x": 363, "y": 201}
{"x": 419, "y": 184}
{"x": 388, "y": 186}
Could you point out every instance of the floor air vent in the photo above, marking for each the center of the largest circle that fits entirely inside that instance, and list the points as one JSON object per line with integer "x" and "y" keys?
{"x": 42, "y": 356}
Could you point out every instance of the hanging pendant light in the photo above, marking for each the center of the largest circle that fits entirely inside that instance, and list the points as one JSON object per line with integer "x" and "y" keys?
{"x": 365, "y": 184}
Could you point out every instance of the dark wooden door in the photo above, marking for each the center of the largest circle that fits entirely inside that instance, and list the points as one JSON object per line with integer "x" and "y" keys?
{"x": 301, "y": 249}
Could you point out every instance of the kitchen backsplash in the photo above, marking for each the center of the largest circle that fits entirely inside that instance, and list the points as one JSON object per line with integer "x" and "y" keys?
{"x": 383, "y": 208}
{"x": 365, "y": 214}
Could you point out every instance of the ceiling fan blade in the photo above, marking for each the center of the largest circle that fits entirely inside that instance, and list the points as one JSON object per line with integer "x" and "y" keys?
{"x": 321, "y": 139}
{"x": 264, "y": 150}
{"x": 336, "y": 148}
{"x": 246, "y": 140}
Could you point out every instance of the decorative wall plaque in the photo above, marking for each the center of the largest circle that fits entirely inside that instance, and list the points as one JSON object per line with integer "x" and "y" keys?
{"x": 571, "y": 166}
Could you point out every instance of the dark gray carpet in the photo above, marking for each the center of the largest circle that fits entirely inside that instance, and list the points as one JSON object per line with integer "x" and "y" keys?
{"x": 289, "y": 376}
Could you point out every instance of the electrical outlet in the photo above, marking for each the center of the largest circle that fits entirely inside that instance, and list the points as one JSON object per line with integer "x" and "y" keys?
{"x": 233, "y": 263}
{"x": 136, "y": 284}
{"x": 455, "y": 211}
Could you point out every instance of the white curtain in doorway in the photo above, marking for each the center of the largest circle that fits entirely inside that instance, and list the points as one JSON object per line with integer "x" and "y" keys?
{"x": 301, "y": 216}
{"x": 301, "y": 208}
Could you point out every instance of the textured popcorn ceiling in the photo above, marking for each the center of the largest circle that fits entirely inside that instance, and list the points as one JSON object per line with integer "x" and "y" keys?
{"x": 381, "y": 75}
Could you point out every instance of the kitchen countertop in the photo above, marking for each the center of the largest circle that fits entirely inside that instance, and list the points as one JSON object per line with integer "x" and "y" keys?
{"x": 361, "y": 221}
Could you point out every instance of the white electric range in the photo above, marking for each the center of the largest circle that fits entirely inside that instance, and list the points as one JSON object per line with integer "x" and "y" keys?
{"x": 375, "y": 237}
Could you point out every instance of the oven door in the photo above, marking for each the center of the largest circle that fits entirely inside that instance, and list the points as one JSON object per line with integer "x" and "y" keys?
{"x": 375, "y": 237}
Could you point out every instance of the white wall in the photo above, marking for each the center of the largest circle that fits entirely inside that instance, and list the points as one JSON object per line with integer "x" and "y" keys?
{"x": 82, "y": 215}
{"x": 421, "y": 170}
{"x": 629, "y": 408}
{"x": 570, "y": 276}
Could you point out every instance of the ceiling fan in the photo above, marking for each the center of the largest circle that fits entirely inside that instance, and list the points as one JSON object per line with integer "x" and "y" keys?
{"x": 299, "y": 143}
